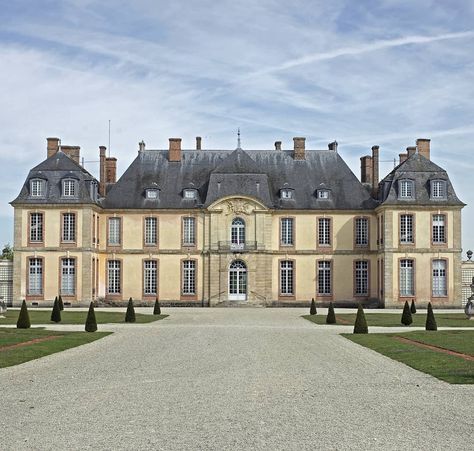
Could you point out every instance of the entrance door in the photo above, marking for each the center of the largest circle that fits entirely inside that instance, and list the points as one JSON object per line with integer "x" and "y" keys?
{"x": 237, "y": 281}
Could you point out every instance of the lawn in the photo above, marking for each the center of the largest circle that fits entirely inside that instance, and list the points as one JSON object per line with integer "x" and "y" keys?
{"x": 449, "y": 368}
{"x": 53, "y": 342}
{"x": 393, "y": 319}
{"x": 75, "y": 317}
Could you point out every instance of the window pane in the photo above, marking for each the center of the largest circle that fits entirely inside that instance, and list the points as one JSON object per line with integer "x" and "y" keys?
{"x": 113, "y": 276}
{"x": 35, "y": 276}
{"x": 406, "y": 278}
{"x": 406, "y": 228}
{"x": 439, "y": 278}
{"x": 150, "y": 277}
{"x": 114, "y": 231}
{"x": 362, "y": 278}
{"x": 324, "y": 232}
{"x": 69, "y": 227}
{"x": 189, "y": 235}
{"x": 69, "y": 188}
{"x": 37, "y": 188}
{"x": 68, "y": 273}
{"x": 286, "y": 277}
{"x": 439, "y": 235}
{"x": 324, "y": 277}
{"x": 286, "y": 238}
{"x": 362, "y": 232}
{"x": 189, "y": 277}
{"x": 151, "y": 237}
{"x": 36, "y": 227}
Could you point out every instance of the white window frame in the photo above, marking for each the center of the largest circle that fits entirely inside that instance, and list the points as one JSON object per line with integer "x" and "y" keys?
{"x": 37, "y": 188}
{"x": 361, "y": 274}
{"x": 407, "y": 229}
{"x": 36, "y": 227}
{"x": 439, "y": 229}
{"x": 362, "y": 232}
{"x": 151, "y": 194}
{"x": 323, "y": 194}
{"x": 189, "y": 194}
{"x": 114, "y": 233}
{"x": 188, "y": 269}
{"x": 406, "y": 189}
{"x": 150, "y": 277}
{"x": 69, "y": 188}
{"x": 35, "y": 276}
{"x": 286, "y": 194}
{"x": 407, "y": 277}
{"x": 151, "y": 231}
{"x": 438, "y": 189}
{"x": 324, "y": 280}
{"x": 287, "y": 279}
{"x": 439, "y": 274}
{"x": 324, "y": 232}
{"x": 68, "y": 276}
{"x": 237, "y": 233}
{"x": 69, "y": 228}
{"x": 189, "y": 231}
{"x": 287, "y": 231}
{"x": 114, "y": 281}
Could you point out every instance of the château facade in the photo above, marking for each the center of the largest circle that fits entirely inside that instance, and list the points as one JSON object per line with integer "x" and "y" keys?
{"x": 215, "y": 227}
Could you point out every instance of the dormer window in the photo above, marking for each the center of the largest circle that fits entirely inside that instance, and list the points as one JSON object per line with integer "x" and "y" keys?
{"x": 190, "y": 194}
{"x": 323, "y": 194}
{"x": 438, "y": 189}
{"x": 406, "y": 189}
{"x": 151, "y": 194}
{"x": 37, "y": 187}
{"x": 286, "y": 194}
{"x": 69, "y": 188}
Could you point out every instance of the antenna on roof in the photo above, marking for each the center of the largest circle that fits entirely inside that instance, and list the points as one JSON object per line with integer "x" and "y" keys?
{"x": 238, "y": 138}
{"x": 109, "y": 137}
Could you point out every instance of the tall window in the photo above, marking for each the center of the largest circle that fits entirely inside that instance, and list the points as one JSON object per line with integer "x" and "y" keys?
{"x": 286, "y": 238}
{"x": 406, "y": 229}
{"x": 189, "y": 231}
{"x": 286, "y": 278}
{"x": 69, "y": 227}
{"x": 324, "y": 278}
{"x": 361, "y": 278}
{"x": 151, "y": 231}
{"x": 439, "y": 231}
{"x": 237, "y": 233}
{"x": 69, "y": 188}
{"x": 406, "y": 189}
{"x": 362, "y": 231}
{"x": 324, "y": 231}
{"x": 35, "y": 276}
{"x": 114, "y": 231}
{"x": 37, "y": 188}
{"x": 113, "y": 277}
{"x": 438, "y": 189}
{"x": 189, "y": 277}
{"x": 439, "y": 283}
{"x": 36, "y": 227}
{"x": 407, "y": 279}
{"x": 150, "y": 279}
{"x": 68, "y": 276}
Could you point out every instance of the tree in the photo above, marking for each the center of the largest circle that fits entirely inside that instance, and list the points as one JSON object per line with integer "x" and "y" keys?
{"x": 7, "y": 252}
{"x": 406, "y": 315}
{"x": 56, "y": 312}
{"x": 91, "y": 322}
{"x": 430, "y": 319}
{"x": 23, "y": 318}
{"x": 360, "y": 325}
{"x": 312, "y": 309}
{"x": 130, "y": 315}
{"x": 331, "y": 317}
{"x": 413, "y": 306}
{"x": 60, "y": 301}
{"x": 157, "y": 308}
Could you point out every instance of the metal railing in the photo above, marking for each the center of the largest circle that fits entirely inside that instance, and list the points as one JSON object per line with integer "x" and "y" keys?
{"x": 237, "y": 247}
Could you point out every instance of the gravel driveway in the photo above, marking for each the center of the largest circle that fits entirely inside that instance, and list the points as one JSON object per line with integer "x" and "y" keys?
{"x": 225, "y": 379}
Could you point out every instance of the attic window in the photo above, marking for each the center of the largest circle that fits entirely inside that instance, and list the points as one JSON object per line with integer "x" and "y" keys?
{"x": 438, "y": 189}
{"x": 406, "y": 189}
{"x": 286, "y": 194}
{"x": 189, "y": 194}
{"x": 69, "y": 188}
{"x": 323, "y": 194}
{"x": 151, "y": 194}
{"x": 37, "y": 187}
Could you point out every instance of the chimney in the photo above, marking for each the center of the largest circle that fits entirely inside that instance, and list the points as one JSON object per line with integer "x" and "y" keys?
{"x": 110, "y": 170}
{"x": 277, "y": 145}
{"x": 366, "y": 169}
{"x": 375, "y": 170}
{"x": 333, "y": 146}
{"x": 174, "y": 152}
{"x": 423, "y": 146}
{"x": 403, "y": 157}
{"x": 198, "y": 142}
{"x": 141, "y": 146}
{"x": 102, "y": 182}
{"x": 52, "y": 146}
{"x": 73, "y": 152}
{"x": 411, "y": 151}
{"x": 299, "y": 148}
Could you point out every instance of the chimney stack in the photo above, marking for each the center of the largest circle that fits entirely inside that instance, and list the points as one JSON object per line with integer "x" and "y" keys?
{"x": 333, "y": 146}
{"x": 375, "y": 170}
{"x": 73, "y": 152}
{"x": 299, "y": 148}
{"x": 102, "y": 157}
{"x": 366, "y": 169}
{"x": 198, "y": 142}
{"x": 277, "y": 145}
{"x": 141, "y": 146}
{"x": 110, "y": 170}
{"x": 423, "y": 146}
{"x": 174, "y": 151}
{"x": 52, "y": 146}
{"x": 403, "y": 157}
{"x": 411, "y": 151}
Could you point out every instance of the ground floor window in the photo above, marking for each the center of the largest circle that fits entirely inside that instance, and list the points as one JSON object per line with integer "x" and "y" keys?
{"x": 114, "y": 277}
{"x": 189, "y": 277}
{"x": 407, "y": 280}
{"x": 286, "y": 278}
{"x": 68, "y": 276}
{"x": 439, "y": 283}
{"x": 35, "y": 276}
{"x": 324, "y": 278}
{"x": 362, "y": 278}
{"x": 150, "y": 273}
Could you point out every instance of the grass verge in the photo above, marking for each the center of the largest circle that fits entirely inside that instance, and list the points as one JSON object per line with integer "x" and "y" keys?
{"x": 21, "y": 345}
{"x": 449, "y": 368}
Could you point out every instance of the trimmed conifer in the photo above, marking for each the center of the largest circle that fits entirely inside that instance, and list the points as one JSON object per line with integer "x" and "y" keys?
{"x": 312, "y": 309}
{"x": 430, "y": 319}
{"x": 157, "y": 308}
{"x": 56, "y": 312}
{"x": 24, "y": 317}
{"x": 331, "y": 316}
{"x": 360, "y": 325}
{"x": 130, "y": 315}
{"x": 406, "y": 315}
{"x": 413, "y": 306}
{"x": 91, "y": 322}
{"x": 61, "y": 305}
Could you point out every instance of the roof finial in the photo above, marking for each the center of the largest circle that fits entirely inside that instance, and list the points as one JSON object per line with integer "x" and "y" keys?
{"x": 238, "y": 138}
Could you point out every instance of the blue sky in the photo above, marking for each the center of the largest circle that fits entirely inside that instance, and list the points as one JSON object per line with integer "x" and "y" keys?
{"x": 367, "y": 72}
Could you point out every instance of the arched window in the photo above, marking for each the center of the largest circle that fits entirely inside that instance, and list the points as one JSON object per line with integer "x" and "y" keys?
{"x": 237, "y": 281}
{"x": 237, "y": 234}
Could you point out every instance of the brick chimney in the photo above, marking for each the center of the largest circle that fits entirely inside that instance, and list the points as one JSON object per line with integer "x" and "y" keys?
{"x": 110, "y": 170}
{"x": 403, "y": 157}
{"x": 366, "y": 169}
{"x": 299, "y": 148}
{"x": 174, "y": 152}
{"x": 198, "y": 142}
{"x": 423, "y": 146}
{"x": 102, "y": 157}
{"x": 277, "y": 145}
{"x": 411, "y": 150}
{"x": 73, "y": 152}
{"x": 52, "y": 146}
{"x": 375, "y": 170}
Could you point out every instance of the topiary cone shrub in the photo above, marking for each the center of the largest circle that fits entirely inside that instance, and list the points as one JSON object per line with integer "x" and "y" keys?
{"x": 130, "y": 315}
{"x": 157, "y": 308}
{"x": 413, "y": 306}
{"x": 23, "y": 318}
{"x": 360, "y": 325}
{"x": 91, "y": 322}
{"x": 61, "y": 305}
{"x": 312, "y": 309}
{"x": 331, "y": 316}
{"x": 406, "y": 315}
{"x": 430, "y": 319}
{"x": 56, "y": 312}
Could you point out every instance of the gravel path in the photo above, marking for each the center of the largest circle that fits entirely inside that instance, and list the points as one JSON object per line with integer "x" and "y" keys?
{"x": 229, "y": 379}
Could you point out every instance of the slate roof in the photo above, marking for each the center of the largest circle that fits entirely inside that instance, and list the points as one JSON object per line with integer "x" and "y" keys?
{"x": 422, "y": 171}
{"x": 54, "y": 169}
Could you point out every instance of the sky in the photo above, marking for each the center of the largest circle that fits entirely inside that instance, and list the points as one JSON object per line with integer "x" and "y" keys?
{"x": 364, "y": 73}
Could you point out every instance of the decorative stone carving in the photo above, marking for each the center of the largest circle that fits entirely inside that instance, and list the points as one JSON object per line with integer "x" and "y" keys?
{"x": 238, "y": 207}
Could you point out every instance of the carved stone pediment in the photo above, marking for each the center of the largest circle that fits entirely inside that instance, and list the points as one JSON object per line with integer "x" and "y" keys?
{"x": 237, "y": 206}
